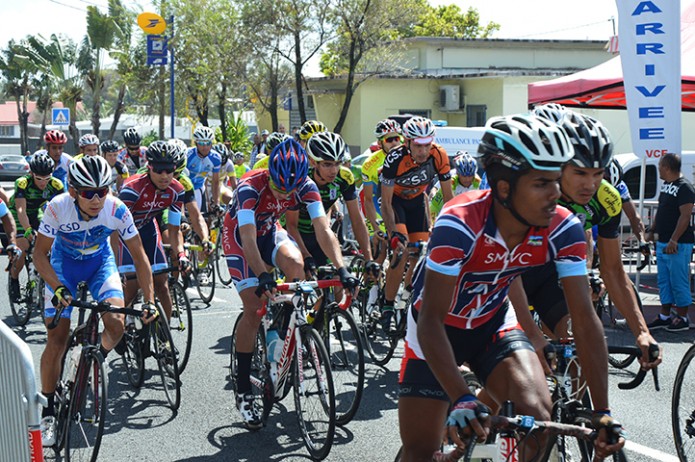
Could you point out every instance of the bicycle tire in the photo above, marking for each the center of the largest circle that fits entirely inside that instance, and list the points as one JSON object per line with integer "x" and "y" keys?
{"x": 133, "y": 358}
{"x": 181, "y": 323}
{"x": 21, "y": 309}
{"x": 616, "y": 330}
{"x": 63, "y": 393}
{"x": 90, "y": 391}
{"x": 313, "y": 379}
{"x": 204, "y": 277}
{"x": 380, "y": 344}
{"x": 39, "y": 299}
{"x": 572, "y": 448}
{"x": 164, "y": 352}
{"x": 683, "y": 408}
{"x": 344, "y": 346}
{"x": 261, "y": 385}
{"x": 221, "y": 262}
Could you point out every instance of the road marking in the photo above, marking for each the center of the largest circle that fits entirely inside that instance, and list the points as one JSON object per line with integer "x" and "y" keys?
{"x": 653, "y": 454}
{"x": 193, "y": 293}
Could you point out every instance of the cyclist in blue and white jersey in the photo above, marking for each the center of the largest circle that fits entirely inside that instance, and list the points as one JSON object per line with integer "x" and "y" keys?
{"x": 55, "y": 140}
{"x": 202, "y": 162}
{"x": 75, "y": 232}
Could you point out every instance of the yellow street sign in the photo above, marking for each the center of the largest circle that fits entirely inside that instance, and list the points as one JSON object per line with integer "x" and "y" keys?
{"x": 152, "y": 23}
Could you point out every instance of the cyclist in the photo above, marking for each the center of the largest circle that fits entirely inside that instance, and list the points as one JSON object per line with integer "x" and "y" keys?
{"x": 254, "y": 242}
{"x": 89, "y": 146}
{"x": 273, "y": 140}
{"x": 31, "y": 193}
{"x": 240, "y": 168}
{"x": 119, "y": 172}
{"x": 326, "y": 151}
{"x": 203, "y": 162}
{"x": 309, "y": 128}
{"x": 227, "y": 174}
{"x": 481, "y": 241}
{"x": 55, "y": 141}
{"x": 133, "y": 155}
{"x": 148, "y": 195}
{"x": 75, "y": 232}
{"x": 466, "y": 179}
{"x": 408, "y": 170}
{"x": 614, "y": 175}
{"x": 595, "y": 202}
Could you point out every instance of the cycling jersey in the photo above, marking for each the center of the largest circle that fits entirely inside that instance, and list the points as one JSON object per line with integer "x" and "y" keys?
{"x": 61, "y": 169}
{"x": 342, "y": 186}
{"x": 261, "y": 164}
{"x": 133, "y": 162}
{"x": 78, "y": 239}
{"x": 188, "y": 195}
{"x": 371, "y": 169}
{"x": 410, "y": 179}
{"x": 437, "y": 201}
{"x": 603, "y": 210}
{"x": 227, "y": 171}
{"x": 36, "y": 199}
{"x": 199, "y": 168}
{"x": 3, "y": 209}
{"x": 240, "y": 170}
{"x": 146, "y": 202}
{"x": 466, "y": 243}
{"x": 621, "y": 187}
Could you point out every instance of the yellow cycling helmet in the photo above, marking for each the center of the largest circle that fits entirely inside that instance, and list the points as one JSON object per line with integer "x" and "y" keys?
{"x": 310, "y": 127}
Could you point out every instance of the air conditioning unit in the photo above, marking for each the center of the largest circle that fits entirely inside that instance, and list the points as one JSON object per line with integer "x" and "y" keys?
{"x": 449, "y": 98}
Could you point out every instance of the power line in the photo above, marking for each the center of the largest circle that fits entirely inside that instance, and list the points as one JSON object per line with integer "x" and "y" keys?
{"x": 564, "y": 29}
{"x": 68, "y": 6}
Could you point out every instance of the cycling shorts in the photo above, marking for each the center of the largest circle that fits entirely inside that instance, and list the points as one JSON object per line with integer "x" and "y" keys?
{"x": 99, "y": 272}
{"x": 268, "y": 245}
{"x": 201, "y": 199}
{"x": 152, "y": 243}
{"x": 312, "y": 245}
{"x": 482, "y": 349}
{"x": 411, "y": 214}
{"x": 542, "y": 287}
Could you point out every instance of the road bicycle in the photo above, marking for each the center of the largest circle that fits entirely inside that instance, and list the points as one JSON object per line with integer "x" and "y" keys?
{"x": 81, "y": 392}
{"x": 683, "y": 408}
{"x": 31, "y": 288}
{"x": 202, "y": 270}
{"x": 304, "y": 366}
{"x": 216, "y": 235}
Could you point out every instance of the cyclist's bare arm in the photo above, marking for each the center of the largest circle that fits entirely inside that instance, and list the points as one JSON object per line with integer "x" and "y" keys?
{"x": 360, "y": 228}
{"x": 327, "y": 240}
{"x": 589, "y": 338}
{"x": 247, "y": 233}
{"x": 432, "y": 335}
{"x": 42, "y": 262}
{"x": 291, "y": 224}
{"x": 620, "y": 290}
{"x": 233, "y": 182}
{"x": 3, "y": 195}
{"x": 369, "y": 208}
{"x": 447, "y": 190}
{"x": 20, "y": 204}
{"x": 635, "y": 220}
{"x": 519, "y": 300}
{"x": 215, "y": 199}
{"x": 143, "y": 269}
{"x": 196, "y": 220}
{"x": 175, "y": 238}
{"x": 10, "y": 228}
{"x": 387, "y": 212}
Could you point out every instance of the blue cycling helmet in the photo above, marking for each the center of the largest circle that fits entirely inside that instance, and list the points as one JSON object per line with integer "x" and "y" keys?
{"x": 288, "y": 165}
{"x": 465, "y": 164}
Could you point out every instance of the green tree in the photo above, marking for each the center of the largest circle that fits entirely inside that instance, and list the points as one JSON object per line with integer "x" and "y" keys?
{"x": 450, "y": 21}
{"x": 123, "y": 52}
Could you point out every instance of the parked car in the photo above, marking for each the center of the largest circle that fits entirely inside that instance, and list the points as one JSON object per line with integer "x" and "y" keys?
{"x": 12, "y": 166}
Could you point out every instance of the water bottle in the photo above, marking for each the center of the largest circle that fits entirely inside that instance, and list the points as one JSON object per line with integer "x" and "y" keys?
{"x": 273, "y": 346}
{"x": 73, "y": 362}
{"x": 372, "y": 301}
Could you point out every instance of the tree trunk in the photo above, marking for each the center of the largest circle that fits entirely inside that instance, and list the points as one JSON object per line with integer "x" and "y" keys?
{"x": 23, "y": 139}
{"x": 120, "y": 106}
{"x": 221, "y": 109}
{"x": 349, "y": 89}
{"x": 298, "y": 76}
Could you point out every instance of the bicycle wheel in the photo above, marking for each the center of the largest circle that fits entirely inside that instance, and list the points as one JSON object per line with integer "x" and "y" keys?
{"x": 133, "y": 358}
{"x": 41, "y": 287}
{"x": 261, "y": 385}
{"x": 204, "y": 277}
{"x": 683, "y": 408}
{"x": 314, "y": 395}
{"x": 221, "y": 262}
{"x": 570, "y": 448}
{"x": 618, "y": 333}
{"x": 347, "y": 364}
{"x": 166, "y": 361}
{"x": 21, "y": 309}
{"x": 181, "y": 323}
{"x": 87, "y": 410}
{"x": 380, "y": 345}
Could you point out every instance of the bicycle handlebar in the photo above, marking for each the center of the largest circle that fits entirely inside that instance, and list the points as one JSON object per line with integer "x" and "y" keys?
{"x": 639, "y": 378}
{"x": 102, "y": 307}
{"x": 298, "y": 286}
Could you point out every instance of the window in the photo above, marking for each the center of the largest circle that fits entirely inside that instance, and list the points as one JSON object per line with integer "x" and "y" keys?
{"x": 416, "y": 112}
{"x": 476, "y": 115}
{"x": 6, "y": 131}
{"x": 631, "y": 178}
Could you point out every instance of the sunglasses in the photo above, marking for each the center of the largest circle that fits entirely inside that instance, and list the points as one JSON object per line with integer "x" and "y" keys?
{"x": 166, "y": 169}
{"x": 42, "y": 178}
{"x": 204, "y": 143}
{"x": 392, "y": 139}
{"x": 133, "y": 148}
{"x": 90, "y": 193}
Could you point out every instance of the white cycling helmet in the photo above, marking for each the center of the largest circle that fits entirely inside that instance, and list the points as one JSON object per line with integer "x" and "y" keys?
{"x": 551, "y": 111}
{"x": 419, "y": 129}
{"x": 326, "y": 146}
{"x": 89, "y": 172}
{"x": 86, "y": 140}
{"x": 203, "y": 134}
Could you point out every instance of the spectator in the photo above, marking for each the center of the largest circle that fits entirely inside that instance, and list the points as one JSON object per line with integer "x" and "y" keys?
{"x": 264, "y": 135}
{"x": 674, "y": 246}
{"x": 295, "y": 133}
{"x": 256, "y": 149}
{"x": 282, "y": 129}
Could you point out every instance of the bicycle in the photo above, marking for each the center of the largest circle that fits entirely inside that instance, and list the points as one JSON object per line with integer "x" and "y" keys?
{"x": 304, "y": 352}
{"x": 683, "y": 408}
{"x": 139, "y": 339}
{"x": 81, "y": 392}
{"x": 343, "y": 343}
{"x": 216, "y": 234}
{"x": 203, "y": 271}
{"x": 31, "y": 288}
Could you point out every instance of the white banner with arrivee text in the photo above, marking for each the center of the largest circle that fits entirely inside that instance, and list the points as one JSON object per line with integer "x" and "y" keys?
{"x": 650, "y": 51}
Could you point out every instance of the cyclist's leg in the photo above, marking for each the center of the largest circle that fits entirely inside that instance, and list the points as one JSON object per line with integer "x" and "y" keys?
{"x": 414, "y": 255}
{"x": 547, "y": 298}
{"x": 19, "y": 263}
{"x": 105, "y": 285}
{"x": 286, "y": 255}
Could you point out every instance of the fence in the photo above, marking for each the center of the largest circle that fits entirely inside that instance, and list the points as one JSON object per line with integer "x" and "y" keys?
{"x": 20, "y": 401}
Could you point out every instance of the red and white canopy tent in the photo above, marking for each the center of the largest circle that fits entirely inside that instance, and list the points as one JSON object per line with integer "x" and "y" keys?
{"x": 601, "y": 87}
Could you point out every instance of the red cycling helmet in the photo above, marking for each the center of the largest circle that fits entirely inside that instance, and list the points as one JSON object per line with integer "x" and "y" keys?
{"x": 55, "y": 137}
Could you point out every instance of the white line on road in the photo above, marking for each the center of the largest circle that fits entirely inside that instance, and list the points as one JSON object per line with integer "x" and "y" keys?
{"x": 653, "y": 454}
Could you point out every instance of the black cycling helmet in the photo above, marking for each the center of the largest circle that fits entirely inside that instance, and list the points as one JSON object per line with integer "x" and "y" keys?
{"x": 222, "y": 150}
{"x": 131, "y": 137}
{"x": 41, "y": 164}
{"x": 273, "y": 140}
{"x": 109, "y": 146}
{"x": 614, "y": 173}
{"x": 593, "y": 147}
{"x": 162, "y": 153}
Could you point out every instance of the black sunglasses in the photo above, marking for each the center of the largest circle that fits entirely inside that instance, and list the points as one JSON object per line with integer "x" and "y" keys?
{"x": 163, "y": 168}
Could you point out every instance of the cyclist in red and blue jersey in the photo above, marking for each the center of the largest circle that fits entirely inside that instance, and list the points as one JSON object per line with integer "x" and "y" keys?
{"x": 482, "y": 241}
{"x": 254, "y": 242}
{"x": 75, "y": 231}
{"x": 55, "y": 141}
{"x": 133, "y": 155}
{"x": 148, "y": 195}
{"x": 204, "y": 163}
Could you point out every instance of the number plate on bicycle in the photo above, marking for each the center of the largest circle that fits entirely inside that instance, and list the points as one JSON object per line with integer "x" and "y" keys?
{"x": 306, "y": 288}
{"x": 527, "y": 421}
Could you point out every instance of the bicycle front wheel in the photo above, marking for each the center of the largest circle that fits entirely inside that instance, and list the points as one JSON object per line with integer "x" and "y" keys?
{"x": 164, "y": 352}
{"x": 181, "y": 323}
{"x": 314, "y": 395}
{"x": 347, "y": 364}
{"x": 683, "y": 408}
{"x": 87, "y": 410}
{"x": 204, "y": 274}
{"x": 21, "y": 306}
{"x": 133, "y": 358}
